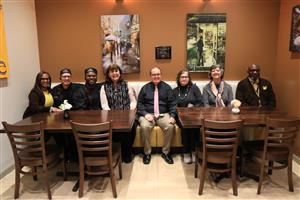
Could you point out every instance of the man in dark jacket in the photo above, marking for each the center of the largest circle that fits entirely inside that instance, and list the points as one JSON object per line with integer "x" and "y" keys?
{"x": 73, "y": 92}
{"x": 92, "y": 89}
{"x": 255, "y": 91}
{"x": 156, "y": 106}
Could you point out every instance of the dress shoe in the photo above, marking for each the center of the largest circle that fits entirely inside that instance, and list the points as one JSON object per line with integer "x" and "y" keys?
{"x": 146, "y": 159}
{"x": 127, "y": 159}
{"x": 167, "y": 158}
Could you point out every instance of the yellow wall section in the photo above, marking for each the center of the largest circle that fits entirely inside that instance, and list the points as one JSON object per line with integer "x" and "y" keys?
{"x": 69, "y": 34}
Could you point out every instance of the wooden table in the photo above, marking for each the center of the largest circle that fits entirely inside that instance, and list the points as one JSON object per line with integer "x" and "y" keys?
{"x": 122, "y": 120}
{"x": 252, "y": 116}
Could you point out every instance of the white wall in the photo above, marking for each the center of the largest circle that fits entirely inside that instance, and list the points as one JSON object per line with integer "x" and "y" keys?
{"x": 23, "y": 55}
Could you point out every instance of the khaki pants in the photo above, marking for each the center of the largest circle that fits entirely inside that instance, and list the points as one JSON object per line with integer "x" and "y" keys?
{"x": 163, "y": 123}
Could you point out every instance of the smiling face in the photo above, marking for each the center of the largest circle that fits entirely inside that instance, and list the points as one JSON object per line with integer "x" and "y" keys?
{"x": 65, "y": 80}
{"x": 216, "y": 74}
{"x": 114, "y": 75}
{"x": 45, "y": 81}
{"x": 155, "y": 74}
{"x": 91, "y": 78}
{"x": 254, "y": 72}
{"x": 184, "y": 79}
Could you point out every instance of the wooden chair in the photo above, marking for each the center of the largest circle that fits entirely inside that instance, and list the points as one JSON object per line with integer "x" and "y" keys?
{"x": 279, "y": 135}
{"x": 30, "y": 151}
{"x": 96, "y": 154}
{"x": 219, "y": 149}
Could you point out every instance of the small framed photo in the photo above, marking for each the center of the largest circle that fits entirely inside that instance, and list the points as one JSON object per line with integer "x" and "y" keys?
{"x": 295, "y": 30}
{"x": 163, "y": 52}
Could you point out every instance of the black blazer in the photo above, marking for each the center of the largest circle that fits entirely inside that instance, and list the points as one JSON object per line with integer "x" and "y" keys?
{"x": 246, "y": 94}
{"x": 36, "y": 103}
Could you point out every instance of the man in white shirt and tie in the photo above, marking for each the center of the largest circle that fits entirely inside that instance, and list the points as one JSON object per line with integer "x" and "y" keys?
{"x": 156, "y": 106}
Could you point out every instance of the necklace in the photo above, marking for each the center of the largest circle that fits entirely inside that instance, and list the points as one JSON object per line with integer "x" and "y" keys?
{"x": 183, "y": 94}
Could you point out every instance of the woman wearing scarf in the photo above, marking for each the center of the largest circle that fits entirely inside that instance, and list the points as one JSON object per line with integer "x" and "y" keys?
{"x": 217, "y": 93}
{"x": 115, "y": 94}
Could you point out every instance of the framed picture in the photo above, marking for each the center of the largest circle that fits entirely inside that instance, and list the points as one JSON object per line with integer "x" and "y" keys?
{"x": 163, "y": 52}
{"x": 295, "y": 29}
{"x": 121, "y": 42}
{"x": 206, "y": 40}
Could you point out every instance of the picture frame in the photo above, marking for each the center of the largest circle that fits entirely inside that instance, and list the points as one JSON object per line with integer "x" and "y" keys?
{"x": 205, "y": 41}
{"x": 295, "y": 30}
{"x": 163, "y": 52}
{"x": 121, "y": 42}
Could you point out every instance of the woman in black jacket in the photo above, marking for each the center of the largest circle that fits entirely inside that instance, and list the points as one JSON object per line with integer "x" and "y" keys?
{"x": 188, "y": 95}
{"x": 40, "y": 96}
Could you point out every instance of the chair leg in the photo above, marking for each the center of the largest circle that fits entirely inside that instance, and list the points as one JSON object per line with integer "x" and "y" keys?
{"x": 270, "y": 171}
{"x": 47, "y": 185}
{"x": 196, "y": 168}
{"x": 243, "y": 163}
{"x": 113, "y": 183}
{"x": 202, "y": 178}
{"x": 35, "y": 172}
{"x": 261, "y": 177}
{"x": 17, "y": 183}
{"x": 64, "y": 166}
{"x": 290, "y": 175}
{"x": 120, "y": 169}
{"x": 233, "y": 179}
{"x": 64, "y": 169}
{"x": 81, "y": 182}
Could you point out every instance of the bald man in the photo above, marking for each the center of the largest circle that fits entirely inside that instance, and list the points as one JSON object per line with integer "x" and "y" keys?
{"x": 254, "y": 90}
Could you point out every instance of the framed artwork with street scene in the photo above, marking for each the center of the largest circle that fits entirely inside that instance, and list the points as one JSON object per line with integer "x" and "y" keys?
{"x": 206, "y": 40}
{"x": 121, "y": 42}
{"x": 295, "y": 29}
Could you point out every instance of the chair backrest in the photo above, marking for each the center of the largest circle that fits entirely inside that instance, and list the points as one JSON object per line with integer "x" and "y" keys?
{"x": 280, "y": 133}
{"x": 93, "y": 140}
{"x": 221, "y": 136}
{"x": 27, "y": 142}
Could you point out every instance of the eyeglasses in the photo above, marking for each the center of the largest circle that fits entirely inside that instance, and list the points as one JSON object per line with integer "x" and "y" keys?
{"x": 254, "y": 70}
{"x": 155, "y": 74}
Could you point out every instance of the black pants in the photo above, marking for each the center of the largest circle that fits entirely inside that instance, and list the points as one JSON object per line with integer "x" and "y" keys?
{"x": 67, "y": 141}
{"x": 190, "y": 139}
{"x": 126, "y": 139}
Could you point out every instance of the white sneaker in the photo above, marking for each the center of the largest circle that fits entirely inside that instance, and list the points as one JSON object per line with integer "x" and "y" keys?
{"x": 187, "y": 158}
{"x": 193, "y": 156}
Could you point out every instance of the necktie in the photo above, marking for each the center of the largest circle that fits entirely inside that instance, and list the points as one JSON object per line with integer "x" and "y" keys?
{"x": 156, "y": 103}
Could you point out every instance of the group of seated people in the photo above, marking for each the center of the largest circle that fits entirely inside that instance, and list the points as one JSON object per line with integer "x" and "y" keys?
{"x": 155, "y": 104}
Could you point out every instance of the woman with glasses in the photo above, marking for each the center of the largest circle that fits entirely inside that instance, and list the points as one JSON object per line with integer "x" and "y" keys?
{"x": 188, "y": 95}
{"x": 40, "y": 96}
{"x": 217, "y": 93}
